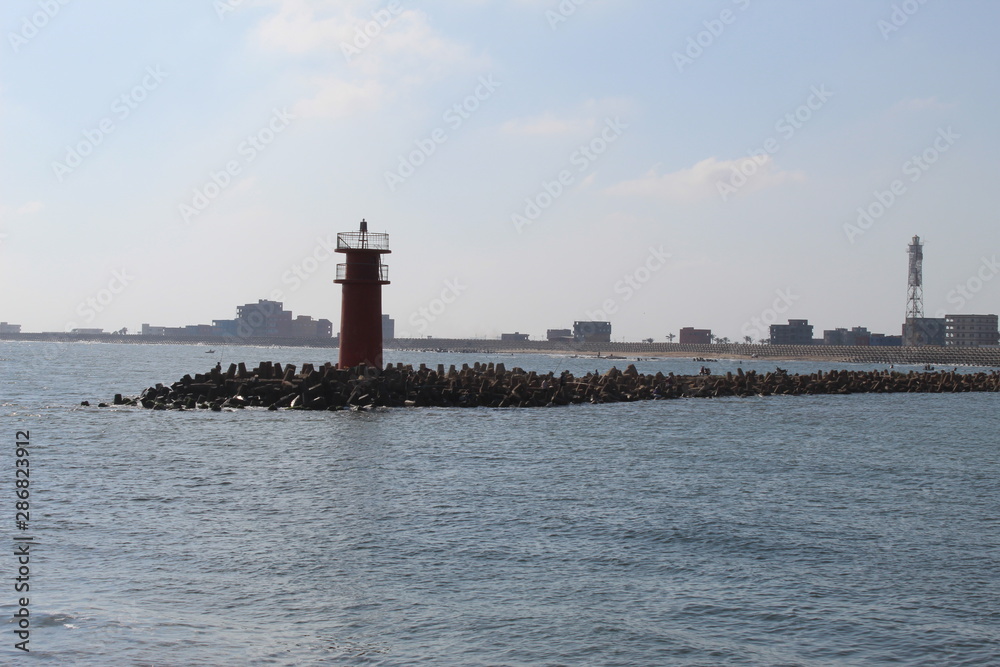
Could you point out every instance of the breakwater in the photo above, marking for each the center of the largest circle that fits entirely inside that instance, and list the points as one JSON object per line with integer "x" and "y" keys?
{"x": 927, "y": 354}
{"x": 491, "y": 385}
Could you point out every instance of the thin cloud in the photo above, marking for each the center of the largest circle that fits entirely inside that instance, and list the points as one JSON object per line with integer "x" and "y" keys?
{"x": 300, "y": 26}
{"x": 582, "y": 120}
{"x": 30, "y": 207}
{"x": 921, "y": 104}
{"x": 547, "y": 125}
{"x": 702, "y": 180}
{"x": 336, "y": 98}
{"x": 369, "y": 54}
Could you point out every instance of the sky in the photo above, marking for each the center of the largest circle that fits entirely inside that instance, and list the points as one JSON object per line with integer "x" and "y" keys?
{"x": 718, "y": 164}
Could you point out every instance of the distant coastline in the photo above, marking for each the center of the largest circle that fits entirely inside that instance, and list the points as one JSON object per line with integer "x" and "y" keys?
{"x": 138, "y": 339}
{"x": 977, "y": 356}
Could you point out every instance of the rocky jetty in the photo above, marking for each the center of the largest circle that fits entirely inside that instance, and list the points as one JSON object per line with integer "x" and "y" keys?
{"x": 327, "y": 387}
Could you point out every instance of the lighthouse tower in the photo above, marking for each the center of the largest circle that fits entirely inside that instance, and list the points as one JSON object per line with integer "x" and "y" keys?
{"x": 362, "y": 276}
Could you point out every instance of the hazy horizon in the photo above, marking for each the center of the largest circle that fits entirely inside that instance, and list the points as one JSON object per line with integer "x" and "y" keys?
{"x": 658, "y": 165}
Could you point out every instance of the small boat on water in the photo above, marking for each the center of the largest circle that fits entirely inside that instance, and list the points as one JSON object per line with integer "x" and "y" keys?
{"x": 209, "y": 351}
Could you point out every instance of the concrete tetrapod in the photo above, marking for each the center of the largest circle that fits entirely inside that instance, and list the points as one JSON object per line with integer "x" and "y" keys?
{"x": 327, "y": 387}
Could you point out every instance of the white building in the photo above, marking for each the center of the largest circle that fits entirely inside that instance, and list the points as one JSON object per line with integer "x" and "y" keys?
{"x": 970, "y": 330}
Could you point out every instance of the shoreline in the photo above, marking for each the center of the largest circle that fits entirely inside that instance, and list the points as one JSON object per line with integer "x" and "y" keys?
{"x": 933, "y": 355}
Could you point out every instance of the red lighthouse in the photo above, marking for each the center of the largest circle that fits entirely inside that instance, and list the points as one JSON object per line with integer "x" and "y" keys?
{"x": 361, "y": 304}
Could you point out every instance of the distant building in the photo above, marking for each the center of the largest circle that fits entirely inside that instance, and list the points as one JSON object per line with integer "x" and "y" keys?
{"x": 692, "y": 336}
{"x": 152, "y": 331}
{"x": 200, "y": 330}
{"x": 304, "y": 326}
{"x": 881, "y": 340}
{"x": 559, "y": 335}
{"x": 388, "y": 328}
{"x": 592, "y": 332}
{"x": 264, "y": 318}
{"x": 859, "y": 336}
{"x": 189, "y": 331}
{"x": 6, "y": 328}
{"x": 87, "y": 331}
{"x": 919, "y": 331}
{"x": 970, "y": 330}
{"x": 514, "y": 337}
{"x": 324, "y": 328}
{"x": 796, "y": 332}
{"x": 856, "y": 336}
{"x": 834, "y": 336}
{"x": 225, "y": 327}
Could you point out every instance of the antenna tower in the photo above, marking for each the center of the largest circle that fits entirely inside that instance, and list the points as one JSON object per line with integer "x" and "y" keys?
{"x": 915, "y": 280}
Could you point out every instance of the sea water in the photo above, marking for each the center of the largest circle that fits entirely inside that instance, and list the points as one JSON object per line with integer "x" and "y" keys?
{"x": 809, "y": 530}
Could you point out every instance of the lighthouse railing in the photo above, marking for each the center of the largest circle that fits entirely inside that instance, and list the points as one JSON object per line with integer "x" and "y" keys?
{"x": 362, "y": 241}
{"x": 383, "y": 272}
